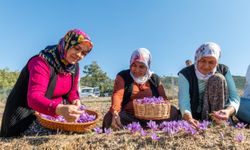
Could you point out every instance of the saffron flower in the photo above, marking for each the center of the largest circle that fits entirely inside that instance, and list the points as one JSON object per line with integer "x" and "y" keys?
{"x": 152, "y": 125}
{"x": 84, "y": 117}
{"x": 134, "y": 127}
{"x": 240, "y": 125}
{"x": 82, "y": 107}
{"x": 204, "y": 124}
{"x": 240, "y": 137}
{"x": 143, "y": 133}
{"x": 151, "y": 100}
{"x": 155, "y": 137}
{"x": 107, "y": 131}
{"x": 98, "y": 130}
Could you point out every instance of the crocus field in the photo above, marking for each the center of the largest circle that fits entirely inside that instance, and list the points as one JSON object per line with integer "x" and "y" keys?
{"x": 167, "y": 135}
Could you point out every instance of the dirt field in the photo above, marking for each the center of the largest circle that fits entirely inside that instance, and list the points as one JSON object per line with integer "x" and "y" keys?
{"x": 216, "y": 137}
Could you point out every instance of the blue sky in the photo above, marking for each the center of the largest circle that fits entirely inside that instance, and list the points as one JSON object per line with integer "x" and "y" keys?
{"x": 171, "y": 29}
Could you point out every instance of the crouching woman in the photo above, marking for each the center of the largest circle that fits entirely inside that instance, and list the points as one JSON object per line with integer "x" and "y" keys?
{"x": 206, "y": 88}
{"x": 135, "y": 83}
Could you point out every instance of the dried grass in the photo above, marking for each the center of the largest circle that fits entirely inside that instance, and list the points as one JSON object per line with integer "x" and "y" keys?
{"x": 211, "y": 139}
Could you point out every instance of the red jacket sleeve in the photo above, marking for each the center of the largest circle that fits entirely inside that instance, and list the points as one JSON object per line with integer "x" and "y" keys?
{"x": 118, "y": 93}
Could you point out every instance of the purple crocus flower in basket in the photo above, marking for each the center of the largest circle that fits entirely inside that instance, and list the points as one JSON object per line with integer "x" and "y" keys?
{"x": 150, "y": 100}
{"x": 82, "y": 107}
{"x": 84, "y": 117}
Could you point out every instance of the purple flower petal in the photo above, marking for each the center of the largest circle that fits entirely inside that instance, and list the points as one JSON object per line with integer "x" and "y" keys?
{"x": 154, "y": 137}
{"x": 240, "y": 125}
{"x": 107, "y": 131}
{"x": 240, "y": 137}
{"x": 98, "y": 130}
{"x": 152, "y": 125}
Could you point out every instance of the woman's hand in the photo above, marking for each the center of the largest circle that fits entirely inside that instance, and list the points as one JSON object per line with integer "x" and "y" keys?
{"x": 76, "y": 102}
{"x": 70, "y": 112}
{"x": 222, "y": 115}
{"x": 188, "y": 117}
{"x": 116, "y": 121}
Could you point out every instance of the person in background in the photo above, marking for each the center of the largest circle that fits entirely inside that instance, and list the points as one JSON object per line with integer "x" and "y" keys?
{"x": 188, "y": 62}
{"x": 135, "y": 83}
{"x": 243, "y": 113}
{"x": 207, "y": 88}
{"x": 45, "y": 82}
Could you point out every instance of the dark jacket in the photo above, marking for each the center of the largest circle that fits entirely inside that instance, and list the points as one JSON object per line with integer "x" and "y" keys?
{"x": 189, "y": 74}
{"x": 154, "y": 82}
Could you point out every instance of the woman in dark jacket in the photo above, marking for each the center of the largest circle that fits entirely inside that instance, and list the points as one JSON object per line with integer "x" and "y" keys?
{"x": 207, "y": 88}
{"x": 135, "y": 83}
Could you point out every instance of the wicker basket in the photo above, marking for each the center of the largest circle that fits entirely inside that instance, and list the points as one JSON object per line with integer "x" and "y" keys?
{"x": 66, "y": 126}
{"x": 152, "y": 111}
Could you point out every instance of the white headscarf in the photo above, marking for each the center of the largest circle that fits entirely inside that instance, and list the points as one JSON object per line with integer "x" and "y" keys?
{"x": 206, "y": 49}
{"x": 141, "y": 55}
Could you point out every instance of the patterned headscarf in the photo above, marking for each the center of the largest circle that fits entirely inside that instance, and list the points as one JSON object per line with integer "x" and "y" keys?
{"x": 55, "y": 55}
{"x": 141, "y": 55}
{"x": 206, "y": 49}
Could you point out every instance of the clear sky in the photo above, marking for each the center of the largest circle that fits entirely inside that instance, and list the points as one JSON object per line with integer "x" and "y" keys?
{"x": 171, "y": 29}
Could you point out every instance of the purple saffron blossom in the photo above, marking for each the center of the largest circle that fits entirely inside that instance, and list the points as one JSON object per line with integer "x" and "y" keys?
{"x": 98, "y": 130}
{"x": 203, "y": 125}
{"x": 151, "y": 100}
{"x": 82, "y": 107}
{"x": 155, "y": 137}
{"x": 240, "y": 125}
{"x": 134, "y": 127}
{"x": 152, "y": 125}
{"x": 143, "y": 133}
{"x": 169, "y": 130}
{"x": 84, "y": 117}
{"x": 107, "y": 131}
{"x": 240, "y": 137}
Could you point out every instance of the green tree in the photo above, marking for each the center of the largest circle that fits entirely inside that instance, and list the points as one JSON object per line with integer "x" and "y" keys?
{"x": 95, "y": 77}
{"x": 8, "y": 78}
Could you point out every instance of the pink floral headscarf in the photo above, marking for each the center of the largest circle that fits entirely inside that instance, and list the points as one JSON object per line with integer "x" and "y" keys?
{"x": 55, "y": 55}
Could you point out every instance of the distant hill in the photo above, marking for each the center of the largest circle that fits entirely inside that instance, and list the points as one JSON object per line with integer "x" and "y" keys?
{"x": 168, "y": 81}
{"x": 8, "y": 79}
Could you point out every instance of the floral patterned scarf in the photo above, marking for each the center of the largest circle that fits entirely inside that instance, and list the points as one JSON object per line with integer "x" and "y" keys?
{"x": 55, "y": 55}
